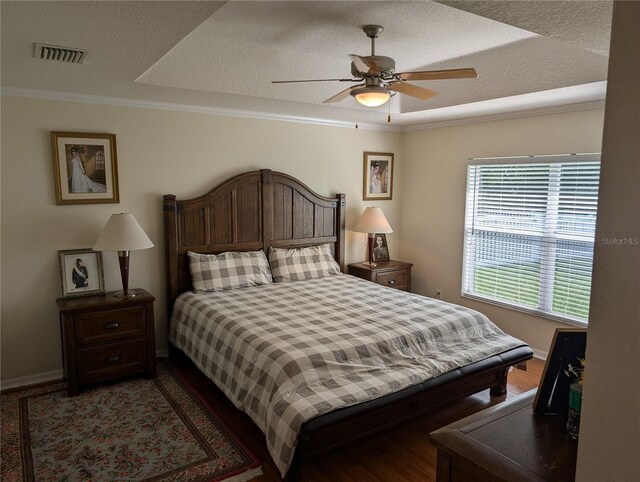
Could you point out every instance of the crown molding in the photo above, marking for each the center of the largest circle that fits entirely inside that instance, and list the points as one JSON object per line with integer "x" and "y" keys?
{"x": 147, "y": 104}
{"x": 98, "y": 99}
{"x": 556, "y": 109}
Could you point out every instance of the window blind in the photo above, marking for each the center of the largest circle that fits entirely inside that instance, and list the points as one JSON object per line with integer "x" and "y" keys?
{"x": 529, "y": 236}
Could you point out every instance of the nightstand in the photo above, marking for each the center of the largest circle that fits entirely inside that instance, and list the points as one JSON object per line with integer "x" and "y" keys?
{"x": 105, "y": 338}
{"x": 394, "y": 274}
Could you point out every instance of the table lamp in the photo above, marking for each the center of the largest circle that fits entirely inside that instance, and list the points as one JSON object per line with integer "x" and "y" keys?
{"x": 372, "y": 221}
{"x": 123, "y": 234}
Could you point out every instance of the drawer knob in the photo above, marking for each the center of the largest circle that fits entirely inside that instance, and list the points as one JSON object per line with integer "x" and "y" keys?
{"x": 391, "y": 281}
{"x": 112, "y": 326}
{"x": 113, "y": 359}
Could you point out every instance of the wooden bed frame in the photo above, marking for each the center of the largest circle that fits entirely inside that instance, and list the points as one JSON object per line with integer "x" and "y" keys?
{"x": 259, "y": 209}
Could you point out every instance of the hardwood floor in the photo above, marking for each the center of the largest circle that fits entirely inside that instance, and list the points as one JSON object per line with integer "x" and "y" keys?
{"x": 401, "y": 454}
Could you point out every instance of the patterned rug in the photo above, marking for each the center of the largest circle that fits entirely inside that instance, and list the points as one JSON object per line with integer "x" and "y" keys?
{"x": 142, "y": 430}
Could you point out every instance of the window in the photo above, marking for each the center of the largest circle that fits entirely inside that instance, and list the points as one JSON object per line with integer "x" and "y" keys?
{"x": 529, "y": 235}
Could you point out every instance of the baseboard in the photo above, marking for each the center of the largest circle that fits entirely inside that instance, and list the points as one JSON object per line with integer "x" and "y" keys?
{"x": 30, "y": 379}
{"x": 539, "y": 354}
{"x": 50, "y": 376}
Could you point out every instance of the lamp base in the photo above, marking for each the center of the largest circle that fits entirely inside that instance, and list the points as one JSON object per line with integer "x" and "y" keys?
{"x": 121, "y": 294}
{"x": 370, "y": 248}
{"x": 123, "y": 258}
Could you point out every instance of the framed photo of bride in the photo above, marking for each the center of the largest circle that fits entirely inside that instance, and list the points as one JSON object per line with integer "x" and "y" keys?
{"x": 85, "y": 168}
{"x": 378, "y": 176}
{"x": 81, "y": 272}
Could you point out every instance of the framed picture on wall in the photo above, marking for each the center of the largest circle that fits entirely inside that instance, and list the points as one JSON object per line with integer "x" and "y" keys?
{"x": 378, "y": 176}
{"x": 380, "y": 247}
{"x": 81, "y": 272}
{"x": 85, "y": 168}
{"x": 567, "y": 347}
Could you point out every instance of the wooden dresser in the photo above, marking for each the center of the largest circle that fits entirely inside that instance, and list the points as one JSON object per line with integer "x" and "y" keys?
{"x": 506, "y": 443}
{"x": 105, "y": 338}
{"x": 394, "y": 274}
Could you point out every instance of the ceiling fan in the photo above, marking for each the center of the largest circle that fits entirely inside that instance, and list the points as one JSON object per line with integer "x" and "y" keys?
{"x": 378, "y": 80}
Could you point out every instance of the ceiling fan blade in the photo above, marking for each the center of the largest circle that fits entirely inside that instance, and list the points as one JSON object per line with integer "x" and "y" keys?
{"x": 314, "y": 80}
{"x": 413, "y": 90}
{"x": 340, "y": 95}
{"x": 439, "y": 74}
{"x": 365, "y": 65}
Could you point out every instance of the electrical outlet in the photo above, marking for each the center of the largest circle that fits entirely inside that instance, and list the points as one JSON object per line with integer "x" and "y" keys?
{"x": 438, "y": 294}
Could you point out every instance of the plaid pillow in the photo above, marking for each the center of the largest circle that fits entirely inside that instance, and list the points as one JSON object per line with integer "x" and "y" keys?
{"x": 225, "y": 271}
{"x": 302, "y": 263}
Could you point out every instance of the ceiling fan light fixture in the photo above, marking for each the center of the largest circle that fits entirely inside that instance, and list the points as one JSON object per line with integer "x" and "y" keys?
{"x": 371, "y": 96}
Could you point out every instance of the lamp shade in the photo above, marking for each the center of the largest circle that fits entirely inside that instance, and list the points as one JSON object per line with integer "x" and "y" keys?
{"x": 373, "y": 220}
{"x": 122, "y": 233}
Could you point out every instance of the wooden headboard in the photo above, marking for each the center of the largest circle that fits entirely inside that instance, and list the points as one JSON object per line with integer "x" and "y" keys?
{"x": 248, "y": 212}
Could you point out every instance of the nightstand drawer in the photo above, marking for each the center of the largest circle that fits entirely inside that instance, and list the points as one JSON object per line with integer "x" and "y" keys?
{"x": 110, "y": 325}
{"x": 394, "y": 279}
{"x": 107, "y": 361}
{"x": 394, "y": 274}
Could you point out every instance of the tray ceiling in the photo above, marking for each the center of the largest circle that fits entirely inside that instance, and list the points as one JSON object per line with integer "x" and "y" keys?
{"x": 225, "y": 54}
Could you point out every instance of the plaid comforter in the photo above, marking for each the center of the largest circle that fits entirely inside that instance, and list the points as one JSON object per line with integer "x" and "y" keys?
{"x": 287, "y": 352}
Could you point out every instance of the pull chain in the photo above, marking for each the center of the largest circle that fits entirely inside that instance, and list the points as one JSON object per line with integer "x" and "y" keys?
{"x": 389, "y": 112}
{"x": 357, "y": 110}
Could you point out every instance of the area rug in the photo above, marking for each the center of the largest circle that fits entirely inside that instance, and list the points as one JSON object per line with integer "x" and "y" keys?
{"x": 142, "y": 430}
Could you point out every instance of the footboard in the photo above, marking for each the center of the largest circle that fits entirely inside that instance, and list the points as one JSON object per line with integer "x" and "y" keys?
{"x": 344, "y": 426}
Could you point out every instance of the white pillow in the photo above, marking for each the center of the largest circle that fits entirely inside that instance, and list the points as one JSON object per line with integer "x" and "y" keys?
{"x": 225, "y": 271}
{"x": 299, "y": 264}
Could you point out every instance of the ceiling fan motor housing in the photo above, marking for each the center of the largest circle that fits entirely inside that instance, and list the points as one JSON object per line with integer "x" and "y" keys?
{"x": 386, "y": 66}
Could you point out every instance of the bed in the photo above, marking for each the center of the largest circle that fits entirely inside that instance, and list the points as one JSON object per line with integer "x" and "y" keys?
{"x": 263, "y": 209}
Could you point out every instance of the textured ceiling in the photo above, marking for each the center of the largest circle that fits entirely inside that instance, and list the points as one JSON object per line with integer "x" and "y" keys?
{"x": 224, "y": 54}
{"x": 585, "y": 24}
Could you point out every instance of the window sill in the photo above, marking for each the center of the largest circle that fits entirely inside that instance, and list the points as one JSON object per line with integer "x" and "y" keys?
{"x": 541, "y": 314}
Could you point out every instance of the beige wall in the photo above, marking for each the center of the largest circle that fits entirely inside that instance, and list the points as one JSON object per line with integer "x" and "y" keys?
{"x": 164, "y": 151}
{"x": 159, "y": 152}
{"x": 434, "y": 187}
{"x": 609, "y": 442}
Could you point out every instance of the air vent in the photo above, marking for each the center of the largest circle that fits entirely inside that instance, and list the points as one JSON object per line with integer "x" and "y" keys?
{"x": 61, "y": 54}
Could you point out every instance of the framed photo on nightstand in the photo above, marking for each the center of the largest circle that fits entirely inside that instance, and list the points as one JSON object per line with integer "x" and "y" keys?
{"x": 81, "y": 272}
{"x": 380, "y": 247}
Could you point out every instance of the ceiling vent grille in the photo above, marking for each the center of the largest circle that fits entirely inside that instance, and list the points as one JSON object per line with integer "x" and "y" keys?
{"x": 61, "y": 54}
